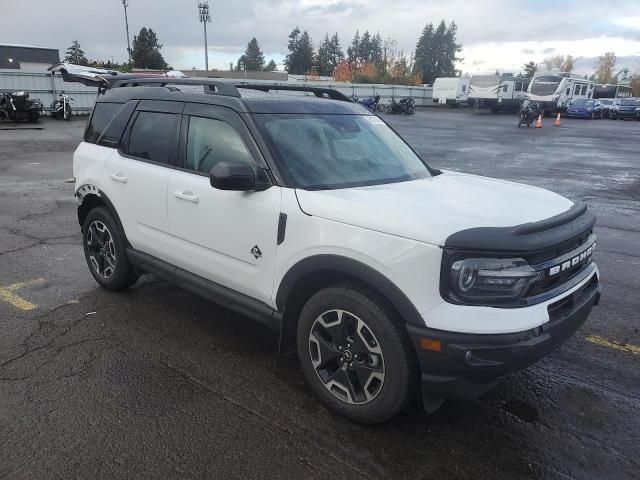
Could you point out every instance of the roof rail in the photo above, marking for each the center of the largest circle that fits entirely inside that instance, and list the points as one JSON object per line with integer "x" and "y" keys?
{"x": 317, "y": 91}
{"x": 212, "y": 85}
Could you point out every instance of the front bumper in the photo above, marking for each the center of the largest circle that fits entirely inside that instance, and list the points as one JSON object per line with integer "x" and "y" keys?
{"x": 580, "y": 114}
{"x": 468, "y": 365}
{"x": 625, "y": 114}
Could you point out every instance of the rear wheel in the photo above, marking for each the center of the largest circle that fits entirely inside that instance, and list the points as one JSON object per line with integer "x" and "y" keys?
{"x": 355, "y": 354}
{"x": 105, "y": 251}
{"x": 67, "y": 113}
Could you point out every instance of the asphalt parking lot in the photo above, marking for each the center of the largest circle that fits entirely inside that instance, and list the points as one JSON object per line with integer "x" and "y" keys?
{"x": 158, "y": 383}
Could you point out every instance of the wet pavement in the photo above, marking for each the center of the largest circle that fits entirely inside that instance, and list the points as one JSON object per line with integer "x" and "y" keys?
{"x": 158, "y": 383}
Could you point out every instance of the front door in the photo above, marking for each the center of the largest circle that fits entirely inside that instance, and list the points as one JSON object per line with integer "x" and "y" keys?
{"x": 227, "y": 237}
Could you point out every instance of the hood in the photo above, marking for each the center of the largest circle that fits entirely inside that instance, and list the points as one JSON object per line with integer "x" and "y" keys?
{"x": 431, "y": 209}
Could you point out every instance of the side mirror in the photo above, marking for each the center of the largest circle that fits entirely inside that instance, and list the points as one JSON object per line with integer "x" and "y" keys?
{"x": 236, "y": 176}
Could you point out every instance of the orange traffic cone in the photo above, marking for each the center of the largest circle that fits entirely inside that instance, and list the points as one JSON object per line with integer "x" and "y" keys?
{"x": 557, "y": 122}
{"x": 539, "y": 121}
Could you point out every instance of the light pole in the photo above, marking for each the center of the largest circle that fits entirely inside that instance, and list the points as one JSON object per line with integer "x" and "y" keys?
{"x": 203, "y": 10}
{"x": 125, "y": 4}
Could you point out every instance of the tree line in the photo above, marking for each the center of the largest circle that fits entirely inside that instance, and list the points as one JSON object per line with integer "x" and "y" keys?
{"x": 145, "y": 53}
{"x": 367, "y": 59}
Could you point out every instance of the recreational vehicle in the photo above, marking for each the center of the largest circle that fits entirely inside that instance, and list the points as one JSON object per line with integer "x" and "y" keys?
{"x": 451, "y": 90}
{"x": 555, "y": 91}
{"x": 497, "y": 92}
{"x": 612, "y": 91}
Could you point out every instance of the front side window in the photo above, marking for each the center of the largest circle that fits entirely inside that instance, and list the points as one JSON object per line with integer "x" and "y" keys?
{"x": 212, "y": 141}
{"x": 153, "y": 136}
{"x": 339, "y": 151}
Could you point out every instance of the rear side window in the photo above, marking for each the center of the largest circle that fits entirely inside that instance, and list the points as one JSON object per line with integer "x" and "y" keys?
{"x": 153, "y": 136}
{"x": 107, "y": 123}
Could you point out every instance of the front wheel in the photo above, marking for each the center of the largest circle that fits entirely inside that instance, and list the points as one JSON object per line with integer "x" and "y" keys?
{"x": 105, "y": 251}
{"x": 67, "y": 113}
{"x": 355, "y": 355}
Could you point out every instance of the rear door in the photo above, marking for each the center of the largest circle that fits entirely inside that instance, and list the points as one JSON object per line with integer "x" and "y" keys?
{"x": 138, "y": 174}
{"x": 227, "y": 237}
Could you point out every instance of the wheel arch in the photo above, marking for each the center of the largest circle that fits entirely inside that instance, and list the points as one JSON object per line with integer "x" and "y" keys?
{"x": 90, "y": 197}
{"x": 319, "y": 271}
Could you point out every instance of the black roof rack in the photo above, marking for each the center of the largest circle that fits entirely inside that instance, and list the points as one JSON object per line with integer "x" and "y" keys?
{"x": 317, "y": 91}
{"x": 225, "y": 87}
{"x": 213, "y": 85}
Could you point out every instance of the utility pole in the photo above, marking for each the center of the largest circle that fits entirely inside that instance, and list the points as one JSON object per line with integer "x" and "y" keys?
{"x": 203, "y": 10}
{"x": 125, "y": 4}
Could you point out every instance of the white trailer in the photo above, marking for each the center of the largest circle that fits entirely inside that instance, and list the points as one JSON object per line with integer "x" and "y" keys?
{"x": 451, "y": 91}
{"x": 497, "y": 92}
{"x": 555, "y": 91}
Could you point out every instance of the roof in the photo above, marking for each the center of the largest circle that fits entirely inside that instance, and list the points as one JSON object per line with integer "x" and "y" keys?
{"x": 12, "y": 55}
{"x": 249, "y": 101}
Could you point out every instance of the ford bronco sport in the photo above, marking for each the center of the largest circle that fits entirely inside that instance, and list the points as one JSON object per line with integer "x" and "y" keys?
{"x": 308, "y": 213}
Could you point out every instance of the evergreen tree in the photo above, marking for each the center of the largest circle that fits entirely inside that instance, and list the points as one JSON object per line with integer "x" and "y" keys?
{"x": 301, "y": 54}
{"x": 353, "y": 51}
{"x": 322, "y": 61}
{"x": 336, "y": 55}
{"x": 437, "y": 51}
{"x": 75, "y": 54}
{"x": 145, "y": 50}
{"x": 271, "y": 66}
{"x": 376, "y": 50}
{"x": 253, "y": 58}
{"x": 530, "y": 69}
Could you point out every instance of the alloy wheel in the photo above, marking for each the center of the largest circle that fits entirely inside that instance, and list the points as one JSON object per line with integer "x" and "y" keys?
{"x": 101, "y": 249}
{"x": 346, "y": 356}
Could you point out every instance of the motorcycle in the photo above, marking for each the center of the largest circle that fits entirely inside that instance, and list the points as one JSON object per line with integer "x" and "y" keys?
{"x": 528, "y": 112}
{"x": 371, "y": 103}
{"x": 61, "y": 108}
{"x": 18, "y": 106}
{"x": 404, "y": 105}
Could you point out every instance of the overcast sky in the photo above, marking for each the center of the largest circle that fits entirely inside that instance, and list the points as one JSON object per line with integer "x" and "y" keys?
{"x": 495, "y": 33}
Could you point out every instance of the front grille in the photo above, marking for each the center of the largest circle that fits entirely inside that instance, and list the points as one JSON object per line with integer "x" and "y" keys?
{"x": 565, "y": 264}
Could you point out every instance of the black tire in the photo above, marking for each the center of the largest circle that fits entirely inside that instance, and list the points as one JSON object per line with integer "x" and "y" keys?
{"x": 67, "y": 114}
{"x": 384, "y": 397}
{"x": 112, "y": 269}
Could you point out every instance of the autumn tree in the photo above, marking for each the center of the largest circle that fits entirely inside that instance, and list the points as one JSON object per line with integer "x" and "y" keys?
{"x": 606, "y": 64}
{"x": 635, "y": 84}
{"x": 568, "y": 64}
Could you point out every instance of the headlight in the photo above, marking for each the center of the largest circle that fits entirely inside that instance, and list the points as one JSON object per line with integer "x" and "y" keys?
{"x": 482, "y": 281}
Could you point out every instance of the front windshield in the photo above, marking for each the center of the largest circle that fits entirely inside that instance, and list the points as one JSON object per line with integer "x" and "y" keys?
{"x": 545, "y": 85}
{"x": 606, "y": 101}
{"x": 581, "y": 102}
{"x": 339, "y": 151}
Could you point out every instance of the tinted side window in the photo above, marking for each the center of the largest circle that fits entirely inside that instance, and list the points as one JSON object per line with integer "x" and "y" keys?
{"x": 153, "y": 135}
{"x": 211, "y": 141}
{"x": 103, "y": 115}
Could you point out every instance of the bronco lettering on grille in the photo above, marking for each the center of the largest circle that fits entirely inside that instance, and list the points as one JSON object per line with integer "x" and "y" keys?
{"x": 580, "y": 258}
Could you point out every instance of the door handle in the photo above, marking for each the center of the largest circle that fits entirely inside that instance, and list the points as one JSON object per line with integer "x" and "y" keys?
{"x": 188, "y": 196}
{"x": 118, "y": 177}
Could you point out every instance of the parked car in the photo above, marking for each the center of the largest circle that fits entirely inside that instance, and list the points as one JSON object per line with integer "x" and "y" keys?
{"x": 585, "y": 108}
{"x": 607, "y": 106}
{"x": 627, "y": 108}
{"x": 311, "y": 215}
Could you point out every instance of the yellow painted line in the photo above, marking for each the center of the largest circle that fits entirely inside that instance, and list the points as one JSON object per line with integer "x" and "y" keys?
{"x": 623, "y": 347}
{"x": 7, "y": 294}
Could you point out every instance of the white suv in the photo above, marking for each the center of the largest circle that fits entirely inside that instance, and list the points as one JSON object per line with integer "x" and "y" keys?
{"x": 310, "y": 214}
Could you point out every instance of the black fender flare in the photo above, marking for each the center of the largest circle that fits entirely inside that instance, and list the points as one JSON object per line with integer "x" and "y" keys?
{"x": 88, "y": 190}
{"x": 353, "y": 268}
